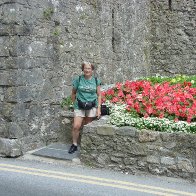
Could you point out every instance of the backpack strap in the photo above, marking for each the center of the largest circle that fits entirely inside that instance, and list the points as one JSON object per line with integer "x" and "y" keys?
{"x": 95, "y": 80}
{"x": 80, "y": 79}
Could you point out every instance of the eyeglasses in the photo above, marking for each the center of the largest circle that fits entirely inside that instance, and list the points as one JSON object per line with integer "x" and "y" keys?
{"x": 87, "y": 68}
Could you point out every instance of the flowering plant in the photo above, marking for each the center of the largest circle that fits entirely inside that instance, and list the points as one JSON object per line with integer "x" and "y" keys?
{"x": 144, "y": 99}
{"x": 121, "y": 117}
{"x": 176, "y": 101}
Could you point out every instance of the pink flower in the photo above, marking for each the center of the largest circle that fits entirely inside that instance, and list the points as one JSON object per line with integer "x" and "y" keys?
{"x": 155, "y": 100}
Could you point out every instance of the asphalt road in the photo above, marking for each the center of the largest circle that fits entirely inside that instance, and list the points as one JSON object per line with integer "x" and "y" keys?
{"x": 33, "y": 178}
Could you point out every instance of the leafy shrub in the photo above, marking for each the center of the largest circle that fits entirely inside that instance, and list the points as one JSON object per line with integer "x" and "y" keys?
{"x": 178, "y": 79}
{"x": 67, "y": 103}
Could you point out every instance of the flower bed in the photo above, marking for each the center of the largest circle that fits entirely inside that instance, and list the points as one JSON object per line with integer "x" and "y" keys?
{"x": 162, "y": 106}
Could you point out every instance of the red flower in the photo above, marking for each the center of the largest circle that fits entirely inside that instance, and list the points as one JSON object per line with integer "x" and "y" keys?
{"x": 155, "y": 100}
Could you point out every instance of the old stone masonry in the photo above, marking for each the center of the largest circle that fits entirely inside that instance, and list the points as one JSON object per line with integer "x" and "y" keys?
{"x": 43, "y": 43}
{"x": 128, "y": 150}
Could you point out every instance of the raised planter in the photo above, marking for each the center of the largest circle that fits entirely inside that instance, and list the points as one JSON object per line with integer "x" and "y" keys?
{"x": 132, "y": 151}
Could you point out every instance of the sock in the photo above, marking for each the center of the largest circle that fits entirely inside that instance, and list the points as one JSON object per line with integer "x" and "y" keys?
{"x": 75, "y": 144}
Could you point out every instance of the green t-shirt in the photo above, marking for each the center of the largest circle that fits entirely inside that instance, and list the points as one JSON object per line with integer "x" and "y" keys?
{"x": 86, "y": 89}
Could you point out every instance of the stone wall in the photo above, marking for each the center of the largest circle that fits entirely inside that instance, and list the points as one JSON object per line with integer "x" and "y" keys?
{"x": 42, "y": 45}
{"x": 128, "y": 150}
{"x": 173, "y": 37}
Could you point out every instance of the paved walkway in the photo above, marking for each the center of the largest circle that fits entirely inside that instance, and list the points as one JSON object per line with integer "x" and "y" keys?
{"x": 56, "y": 152}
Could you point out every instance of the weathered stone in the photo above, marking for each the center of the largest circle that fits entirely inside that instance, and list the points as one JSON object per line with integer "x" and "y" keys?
{"x": 167, "y": 137}
{"x": 118, "y": 155}
{"x": 185, "y": 165}
{"x": 1, "y": 94}
{"x": 103, "y": 159}
{"x": 38, "y": 49}
{"x": 67, "y": 114}
{"x": 105, "y": 130}
{"x": 66, "y": 121}
{"x": 3, "y": 129}
{"x": 170, "y": 145}
{"x": 116, "y": 160}
{"x": 167, "y": 161}
{"x": 126, "y": 131}
{"x": 30, "y": 77}
{"x": 129, "y": 161}
{"x": 14, "y": 131}
{"x": 153, "y": 147}
{"x": 4, "y": 79}
{"x": 4, "y": 49}
{"x": 136, "y": 149}
{"x": 156, "y": 169}
{"x": 102, "y": 147}
{"x": 142, "y": 163}
{"x": 7, "y": 110}
{"x": 10, "y": 147}
{"x": 153, "y": 159}
{"x": 147, "y": 136}
{"x": 167, "y": 152}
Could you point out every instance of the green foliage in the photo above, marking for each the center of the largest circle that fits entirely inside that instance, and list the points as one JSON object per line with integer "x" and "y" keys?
{"x": 48, "y": 13}
{"x": 67, "y": 103}
{"x": 83, "y": 16}
{"x": 173, "y": 80}
{"x": 120, "y": 117}
{"x": 91, "y": 2}
{"x": 56, "y": 32}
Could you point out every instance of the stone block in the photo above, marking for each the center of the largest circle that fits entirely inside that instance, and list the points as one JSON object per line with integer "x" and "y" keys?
{"x": 30, "y": 77}
{"x": 105, "y": 130}
{"x": 116, "y": 160}
{"x": 18, "y": 46}
{"x": 148, "y": 136}
{"x": 4, "y": 47}
{"x": 185, "y": 165}
{"x": 23, "y": 63}
{"x": 4, "y": 78}
{"x": 10, "y": 147}
{"x": 169, "y": 145}
{"x": 135, "y": 149}
{"x": 7, "y": 63}
{"x": 67, "y": 114}
{"x": 118, "y": 155}
{"x": 46, "y": 92}
{"x": 25, "y": 94}
{"x": 4, "y": 30}
{"x": 10, "y": 94}
{"x": 14, "y": 131}
{"x": 19, "y": 112}
{"x": 1, "y": 94}
{"x": 38, "y": 49}
{"x": 167, "y": 161}
{"x": 156, "y": 169}
{"x": 7, "y": 110}
{"x": 168, "y": 137}
{"x": 3, "y": 129}
{"x": 103, "y": 159}
{"x": 129, "y": 131}
{"x": 153, "y": 159}
{"x": 129, "y": 161}
{"x": 66, "y": 121}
